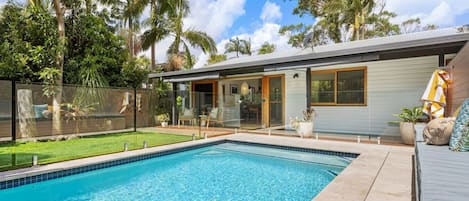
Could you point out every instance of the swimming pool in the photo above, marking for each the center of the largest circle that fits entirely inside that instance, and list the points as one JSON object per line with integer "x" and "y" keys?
{"x": 227, "y": 171}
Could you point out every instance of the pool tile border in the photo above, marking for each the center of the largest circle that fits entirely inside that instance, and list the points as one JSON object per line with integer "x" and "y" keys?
{"x": 309, "y": 150}
{"x": 100, "y": 165}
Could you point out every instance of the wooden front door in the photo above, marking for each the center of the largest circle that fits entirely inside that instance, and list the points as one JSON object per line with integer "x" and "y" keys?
{"x": 273, "y": 100}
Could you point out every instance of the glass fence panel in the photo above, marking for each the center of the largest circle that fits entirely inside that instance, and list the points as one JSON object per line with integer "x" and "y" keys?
{"x": 99, "y": 121}
{"x": 78, "y": 111}
{"x": 5, "y": 110}
{"x": 7, "y": 150}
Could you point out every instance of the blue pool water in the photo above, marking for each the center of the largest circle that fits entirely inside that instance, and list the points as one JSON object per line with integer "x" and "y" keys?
{"x": 226, "y": 171}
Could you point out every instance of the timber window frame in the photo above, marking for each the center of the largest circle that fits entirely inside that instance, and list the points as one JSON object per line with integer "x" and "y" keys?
{"x": 330, "y": 81}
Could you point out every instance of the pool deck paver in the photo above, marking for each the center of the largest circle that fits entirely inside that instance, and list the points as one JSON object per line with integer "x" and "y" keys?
{"x": 381, "y": 172}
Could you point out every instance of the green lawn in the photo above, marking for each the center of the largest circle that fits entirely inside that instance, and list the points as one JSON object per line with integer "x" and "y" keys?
{"x": 13, "y": 156}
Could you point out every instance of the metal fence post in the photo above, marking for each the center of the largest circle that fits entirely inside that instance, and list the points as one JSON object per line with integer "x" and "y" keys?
{"x": 13, "y": 110}
{"x": 135, "y": 109}
{"x": 308, "y": 87}
{"x": 173, "y": 101}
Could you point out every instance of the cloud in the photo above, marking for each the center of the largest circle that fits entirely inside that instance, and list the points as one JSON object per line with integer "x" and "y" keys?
{"x": 440, "y": 12}
{"x": 270, "y": 12}
{"x": 214, "y": 17}
{"x": 267, "y": 33}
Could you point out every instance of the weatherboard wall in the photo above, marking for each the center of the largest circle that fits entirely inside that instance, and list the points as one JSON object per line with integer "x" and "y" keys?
{"x": 391, "y": 85}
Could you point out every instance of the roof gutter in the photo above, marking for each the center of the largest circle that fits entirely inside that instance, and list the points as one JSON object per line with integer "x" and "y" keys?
{"x": 323, "y": 62}
{"x": 196, "y": 77}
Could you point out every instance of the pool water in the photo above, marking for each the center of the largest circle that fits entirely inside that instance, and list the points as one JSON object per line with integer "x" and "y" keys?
{"x": 227, "y": 171}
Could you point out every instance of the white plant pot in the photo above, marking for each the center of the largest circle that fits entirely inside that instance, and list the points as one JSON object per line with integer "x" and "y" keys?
{"x": 164, "y": 124}
{"x": 305, "y": 128}
{"x": 407, "y": 132}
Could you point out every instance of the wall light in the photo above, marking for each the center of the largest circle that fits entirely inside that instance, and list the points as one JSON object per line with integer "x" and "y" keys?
{"x": 244, "y": 88}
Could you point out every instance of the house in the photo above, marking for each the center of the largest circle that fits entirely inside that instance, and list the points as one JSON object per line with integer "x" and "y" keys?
{"x": 355, "y": 87}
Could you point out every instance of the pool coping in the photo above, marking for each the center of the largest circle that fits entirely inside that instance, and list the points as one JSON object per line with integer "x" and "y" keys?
{"x": 356, "y": 182}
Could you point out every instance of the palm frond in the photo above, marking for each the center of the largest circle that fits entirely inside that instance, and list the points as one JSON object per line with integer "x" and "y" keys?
{"x": 201, "y": 40}
{"x": 188, "y": 55}
{"x": 153, "y": 36}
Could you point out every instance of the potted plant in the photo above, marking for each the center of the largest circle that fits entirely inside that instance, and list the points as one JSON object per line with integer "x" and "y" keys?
{"x": 163, "y": 119}
{"x": 409, "y": 118}
{"x": 304, "y": 127}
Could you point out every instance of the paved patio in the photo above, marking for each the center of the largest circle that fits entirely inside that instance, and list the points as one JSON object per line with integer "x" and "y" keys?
{"x": 381, "y": 172}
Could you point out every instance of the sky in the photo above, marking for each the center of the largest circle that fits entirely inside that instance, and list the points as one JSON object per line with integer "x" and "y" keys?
{"x": 260, "y": 20}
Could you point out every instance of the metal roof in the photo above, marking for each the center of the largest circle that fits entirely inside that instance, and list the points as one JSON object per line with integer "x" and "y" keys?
{"x": 347, "y": 52}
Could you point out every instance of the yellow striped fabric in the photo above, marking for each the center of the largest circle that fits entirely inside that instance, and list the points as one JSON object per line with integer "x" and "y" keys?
{"x": 434, "y": 97}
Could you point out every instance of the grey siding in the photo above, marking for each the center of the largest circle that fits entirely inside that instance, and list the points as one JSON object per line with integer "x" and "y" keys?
{"x": 391, "y": 85}
{"x": 295, "y": 94}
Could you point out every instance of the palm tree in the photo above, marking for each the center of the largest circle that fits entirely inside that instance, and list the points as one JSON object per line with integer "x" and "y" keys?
{"x": 361, "y": 10}
{"x": 239, "y": 46}
{"x": 129, "y": 12}
{"x": 266, "y": 48}
{"x": 157, "y": 23}
{"x": 233, "y": 46}
{"x": 184, "y": 38}
{"x": 246, "y": 47}
{"x": 216, "y": 58}
{"x": 343, "y": 20}
{"x": 410, "y": 25}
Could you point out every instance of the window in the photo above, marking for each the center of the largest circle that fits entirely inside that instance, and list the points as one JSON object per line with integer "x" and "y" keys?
{"x": 339, "y": 87}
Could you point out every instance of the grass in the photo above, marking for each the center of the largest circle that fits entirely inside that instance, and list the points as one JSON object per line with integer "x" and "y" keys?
{"x": 19, "y": 155}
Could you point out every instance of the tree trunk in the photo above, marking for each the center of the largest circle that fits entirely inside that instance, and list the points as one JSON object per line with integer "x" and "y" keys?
{"x": 26, "y": 114}
{"x": 356, "y": 27}
{"x": 131, "y": 38}
{"x": 57, "y": 99}
{"x": 153, "y": 54}
{"x": 88, "y": 6}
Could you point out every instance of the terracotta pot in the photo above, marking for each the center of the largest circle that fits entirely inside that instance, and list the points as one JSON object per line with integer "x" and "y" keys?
{"x": 407, "y": 132}
{"x": 305, "y": 128}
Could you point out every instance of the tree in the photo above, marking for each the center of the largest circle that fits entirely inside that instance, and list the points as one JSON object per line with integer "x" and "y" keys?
{"x": 342, "y": 20}
{"x": 410, "y": 25}
{"x": 246, "y": 47}
{"x": 382, "y": 25}
{"x": 59, "y": 8}
{"x": 234, "y": 45}
{"x": 95, "y": 54}
{"x": 430, "y": 27}
{"x": 239, "y": 46}
{"x": 128, "y": 12}
{"x": 216, "y": 58}
{"x": 27, "y": 43}
{"x": 414, "y": 25}
{"x": 157, "y": 23}
{"x": 296, "y": 33}
{"x": 135, "y": 71}
{"x": 266, "y": 48}
{"x": 184, "y": 38}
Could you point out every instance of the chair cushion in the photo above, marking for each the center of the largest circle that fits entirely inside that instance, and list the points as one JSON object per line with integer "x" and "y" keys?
{"x": 38, "y": 109}
{"x": 438, "y": 131}
{"x": 214, "y": 113}
{"x": 188, "y": 112}
{"x": 459, "y": 137}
